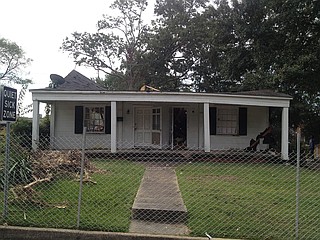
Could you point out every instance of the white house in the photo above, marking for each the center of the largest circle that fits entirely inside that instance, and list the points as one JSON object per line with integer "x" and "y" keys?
{"x": 131, "y": 119}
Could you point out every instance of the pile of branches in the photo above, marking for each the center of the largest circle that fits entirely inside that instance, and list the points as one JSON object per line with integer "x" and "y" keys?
{"x": 47, "y": 166}
{"x": 52, "y": 163}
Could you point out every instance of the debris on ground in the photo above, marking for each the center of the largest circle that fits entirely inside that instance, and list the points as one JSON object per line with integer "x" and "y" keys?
{"x": 46, "y": 166}
{"x": 58, "y": 162}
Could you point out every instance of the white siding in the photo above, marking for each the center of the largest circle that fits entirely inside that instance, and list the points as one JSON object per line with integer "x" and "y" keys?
{"x": 65, "y": 138}
{"x": 257, "y": 121}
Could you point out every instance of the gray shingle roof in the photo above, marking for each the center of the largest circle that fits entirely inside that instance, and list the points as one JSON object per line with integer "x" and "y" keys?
{"x": 75, "y": 81}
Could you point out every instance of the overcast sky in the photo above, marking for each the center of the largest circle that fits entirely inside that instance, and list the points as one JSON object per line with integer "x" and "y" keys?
{"x": 39, "y": 27}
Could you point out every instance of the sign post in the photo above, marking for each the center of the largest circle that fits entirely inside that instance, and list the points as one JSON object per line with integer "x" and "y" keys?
{"x": 8, "y": 113}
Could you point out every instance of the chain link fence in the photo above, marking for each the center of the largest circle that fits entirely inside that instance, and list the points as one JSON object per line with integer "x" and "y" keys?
{"x": 231, "y": 193}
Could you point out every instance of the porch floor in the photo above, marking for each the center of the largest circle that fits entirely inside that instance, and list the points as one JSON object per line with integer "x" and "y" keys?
{"x": 187, "y": 155}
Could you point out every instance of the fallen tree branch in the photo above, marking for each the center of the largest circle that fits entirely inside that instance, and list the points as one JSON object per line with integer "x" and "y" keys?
{"x": 37, "y": 181}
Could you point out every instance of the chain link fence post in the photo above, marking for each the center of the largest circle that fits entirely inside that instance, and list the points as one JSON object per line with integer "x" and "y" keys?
{"x": 6, "y": 172}
{"x": 81, "y": 174}
{"x": 298, "y": 182}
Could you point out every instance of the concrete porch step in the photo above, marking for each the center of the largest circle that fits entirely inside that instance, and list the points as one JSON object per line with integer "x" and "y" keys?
{"x": 159, "y": 198}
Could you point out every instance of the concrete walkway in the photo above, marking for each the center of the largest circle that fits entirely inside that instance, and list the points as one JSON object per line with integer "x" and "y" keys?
{"x": 158, "y": 207}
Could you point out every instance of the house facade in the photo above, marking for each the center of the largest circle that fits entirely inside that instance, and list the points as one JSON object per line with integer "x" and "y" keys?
{"x": 118, "y": 120}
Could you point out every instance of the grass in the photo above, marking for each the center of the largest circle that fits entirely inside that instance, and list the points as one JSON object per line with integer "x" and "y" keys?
{"x": 249, "y": 201}
{"x": 105, "y": 205}
{"x": 234, "y": 200}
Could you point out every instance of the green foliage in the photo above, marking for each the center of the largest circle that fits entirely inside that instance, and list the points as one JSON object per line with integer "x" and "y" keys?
{"x": 21, "y": 132}
{"x": 250, "y": 45}
{"x": 117, "y": 47}
{"x": 20, "y": 171}
{"x": 22, "y": 110}
{"x": 12, "y": 61}
{"x": 44, "y": 132}
{"x": 112, "y": 83}
{"x": 174, "y": 44}
{"x": 44, "y": 127}
{"x": 23, "y": 126}
{"x": 194, "y": 45}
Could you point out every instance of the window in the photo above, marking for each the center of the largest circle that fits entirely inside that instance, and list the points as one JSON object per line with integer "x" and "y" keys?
{"x": 156, "y": 119}
{"x": 227, "y": 121}
{"x": 94, "y": 119}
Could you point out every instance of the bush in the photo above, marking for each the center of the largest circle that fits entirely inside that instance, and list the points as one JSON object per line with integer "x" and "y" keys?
{"x": 20, "y": 171}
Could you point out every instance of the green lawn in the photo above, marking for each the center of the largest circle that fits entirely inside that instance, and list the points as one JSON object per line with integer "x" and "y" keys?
{"x": 250, "y": 201}
{"x": 105, "y": 205}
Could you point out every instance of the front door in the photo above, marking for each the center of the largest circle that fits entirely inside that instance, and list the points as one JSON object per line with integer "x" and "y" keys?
{"x": 147, "y": 127}
{"x": 179, "y": 127}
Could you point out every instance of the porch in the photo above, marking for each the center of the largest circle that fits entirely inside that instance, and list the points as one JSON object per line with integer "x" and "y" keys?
{"x": 208, "y": 122}
{"x": 204, "y": 121}
{"x": 177, "y": 156}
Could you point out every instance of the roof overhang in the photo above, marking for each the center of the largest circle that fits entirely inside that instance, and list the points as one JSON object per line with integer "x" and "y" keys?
{"x": 50, "y": 96}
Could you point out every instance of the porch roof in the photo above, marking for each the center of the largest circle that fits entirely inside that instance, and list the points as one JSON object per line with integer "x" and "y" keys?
{"x": 251, "y": 98}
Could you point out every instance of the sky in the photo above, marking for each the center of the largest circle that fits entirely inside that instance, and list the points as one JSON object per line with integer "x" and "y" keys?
{"x": 39, "y": 27}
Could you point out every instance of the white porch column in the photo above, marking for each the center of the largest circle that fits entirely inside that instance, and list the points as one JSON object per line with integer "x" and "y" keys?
{"x": 35, "y": 125}
{"x": 285, "y": 134}
{"x": 52, "y": 119}
{"x": 206, "y": 127}
{"x": 113, "y": 127}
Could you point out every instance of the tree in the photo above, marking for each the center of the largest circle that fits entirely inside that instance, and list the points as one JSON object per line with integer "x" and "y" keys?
{"x": 264, "y": 44}
{"x": 12, "y": 62}
{"x": 282, "y": 43}
{"x": 12, "y": 65}
{"x": 117, "y": 48}
{"x": 174, "y": 43}
{"x": 243, "y": 45}
{"x": 21, "y": 108}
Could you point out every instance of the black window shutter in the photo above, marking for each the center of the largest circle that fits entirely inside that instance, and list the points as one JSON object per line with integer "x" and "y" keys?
{"x": 213, "y": 120}
{"x": 107, "y": 120}
{"x": 243, "y": 121}
{"x": 78, "y": 120}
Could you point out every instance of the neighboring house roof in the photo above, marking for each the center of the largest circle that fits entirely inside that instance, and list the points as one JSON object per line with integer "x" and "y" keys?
{"x": 75, "y": 81}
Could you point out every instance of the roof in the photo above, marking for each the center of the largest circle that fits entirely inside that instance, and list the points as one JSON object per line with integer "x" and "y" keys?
{"x": 263, "y": 92}
{"x": 78, "y": 88}
{"x": 75, "y": 81}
